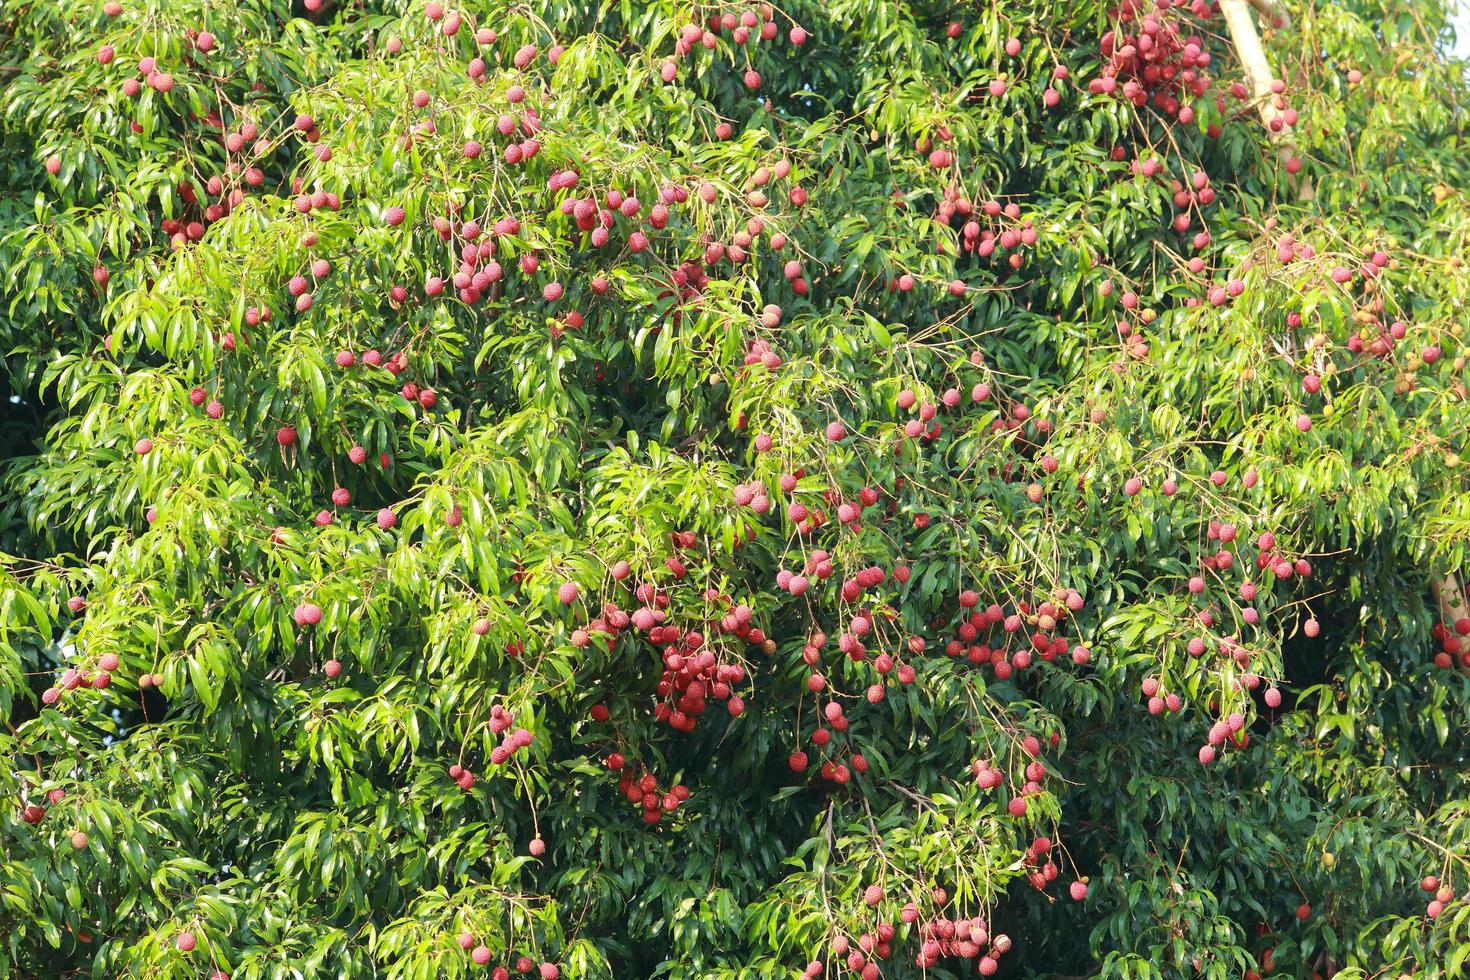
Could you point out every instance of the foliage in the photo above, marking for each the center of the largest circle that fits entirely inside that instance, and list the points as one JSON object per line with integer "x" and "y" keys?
{"x": 652, "y": 489}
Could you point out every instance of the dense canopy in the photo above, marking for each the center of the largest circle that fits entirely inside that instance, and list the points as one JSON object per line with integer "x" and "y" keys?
{"x": 857, "y": 488}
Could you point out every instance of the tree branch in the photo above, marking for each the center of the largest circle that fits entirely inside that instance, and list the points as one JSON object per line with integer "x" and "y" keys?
{"x": 1246, "y": 41}
{"x": 1272, "y": 11}
{"x": 1451, "y": 599}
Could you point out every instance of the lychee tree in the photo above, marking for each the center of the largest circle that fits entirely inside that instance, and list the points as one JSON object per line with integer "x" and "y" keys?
{"x": 855, "y": 488}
